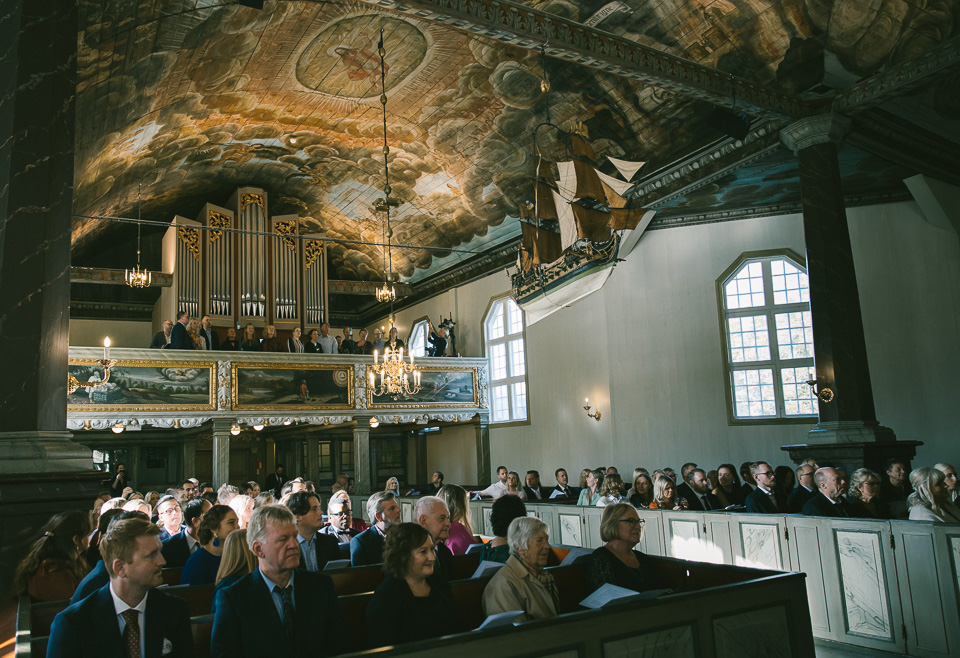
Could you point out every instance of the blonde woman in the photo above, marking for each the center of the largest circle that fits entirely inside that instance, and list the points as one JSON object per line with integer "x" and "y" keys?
{"x": 930, "y": 500}
{"x": 237, "y": 561}
{"x": 665, "y": 495}
{"x": 199, "y": 342}
{"x": 461, "y": 526}
{"x": 513, "y": 486}
{"x": 393, "y": 484}
{"x": 243, "y": 505}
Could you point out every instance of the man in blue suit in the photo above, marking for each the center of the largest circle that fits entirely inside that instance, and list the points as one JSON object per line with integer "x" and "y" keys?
{"x": 764, "y": 500}
{"x": 179, "y": 338}
{"x": 278, "y": 610}
{"x": 127, "y": 617}
{"x": 383, "y": 512}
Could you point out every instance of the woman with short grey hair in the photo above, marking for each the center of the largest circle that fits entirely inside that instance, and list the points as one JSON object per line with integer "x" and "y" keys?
{"x": 930, "y": 499}
{"x": 522, "y": 584}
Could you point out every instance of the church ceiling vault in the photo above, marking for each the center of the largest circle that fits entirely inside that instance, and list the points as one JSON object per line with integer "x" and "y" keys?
{"x": 191, "y": 99}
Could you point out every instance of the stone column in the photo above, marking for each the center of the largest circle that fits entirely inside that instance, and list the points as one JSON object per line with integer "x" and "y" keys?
{"x": 312, "y": 467}
{"x": 361, "y": 459}
{"x": 221, "y": 451}
{"x": 482, "y": 430}
{"x": 188, "y": 457}
{"x": 840, "y": 351}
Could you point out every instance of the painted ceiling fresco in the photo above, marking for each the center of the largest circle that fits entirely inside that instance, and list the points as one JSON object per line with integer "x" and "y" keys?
{"x": 191, "y": 99}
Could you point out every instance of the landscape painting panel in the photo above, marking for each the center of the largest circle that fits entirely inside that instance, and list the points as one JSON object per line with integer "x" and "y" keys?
{"x": 439, "y": 387}
{"x": 185, "y": 385}
{"x": 265, "y": 386}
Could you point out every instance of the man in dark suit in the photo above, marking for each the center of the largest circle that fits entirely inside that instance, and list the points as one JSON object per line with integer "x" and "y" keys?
{"x": 804, "y": 490}
{"x": 179, "y": 338}
{"x": 209, "y": 333}
{"x": 827, "y": 501}
{"x": 383, "y": 512}
{"x": 432, "y": 513}
{"x": 276, "y": 480}
{"x": 700, "y": 498}
{"x": 563, "y": 490}
{"x": 169, "y": 515}
{"x": 764, "y": 500}
{"x": 162, "y": 338}
{"x": 316, "y": 548}
{"x": 180, "y": 546}
{"x": 128, "y": 616}
{"x": 683, "y": 488}
{"x": 340, "y": 517}
{"x": 749, "y": 483}
{"x": 278, "y": 610}
{"x": 532, "y": 487}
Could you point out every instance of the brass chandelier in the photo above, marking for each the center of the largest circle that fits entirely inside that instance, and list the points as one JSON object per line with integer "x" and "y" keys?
{"x": 397, "y": 377}
{"x": 137, "y": 278}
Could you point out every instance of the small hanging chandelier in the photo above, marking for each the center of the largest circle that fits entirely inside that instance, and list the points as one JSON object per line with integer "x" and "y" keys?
{"x": 388, "y": 292}
{"x": 137, "y": 278}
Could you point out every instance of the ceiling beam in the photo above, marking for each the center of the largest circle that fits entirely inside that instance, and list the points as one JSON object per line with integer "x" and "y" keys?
{"x": 526, "y": 27}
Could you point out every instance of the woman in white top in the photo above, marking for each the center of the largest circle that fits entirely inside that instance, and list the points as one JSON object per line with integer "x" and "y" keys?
{"x": 513, "y": 485}
{"x": 611, "y": 491}
{"x": 930, "y": 500}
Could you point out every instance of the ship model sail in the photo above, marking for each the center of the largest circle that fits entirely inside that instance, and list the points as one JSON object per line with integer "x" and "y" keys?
{"x": 559, "y": 266}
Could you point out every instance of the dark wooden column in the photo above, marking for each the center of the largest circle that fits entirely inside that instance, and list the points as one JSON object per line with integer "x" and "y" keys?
{"x": 41, "y": 470}
{"x": 848, "y": 422}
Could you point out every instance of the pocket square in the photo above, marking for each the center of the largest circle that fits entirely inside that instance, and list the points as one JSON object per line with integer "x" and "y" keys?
{"x": 167, "y": 647}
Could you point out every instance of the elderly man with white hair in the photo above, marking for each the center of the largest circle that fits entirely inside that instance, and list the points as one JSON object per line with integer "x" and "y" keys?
{"x": 278, "y": 609}
{"x": 522, "y": 584}
{"x": 434, "y": 515}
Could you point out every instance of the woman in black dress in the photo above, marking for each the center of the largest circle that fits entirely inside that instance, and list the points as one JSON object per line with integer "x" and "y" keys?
{"x": 408, "y": 605}
{"x": 616, "y": 562}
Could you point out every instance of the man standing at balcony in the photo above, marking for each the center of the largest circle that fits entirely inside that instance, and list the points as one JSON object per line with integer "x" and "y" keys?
{"x": 327, "y": 343}
{"x": 209, "y": 333}
{"x": 179, "y": 338}
{"x": 162, "y": 338}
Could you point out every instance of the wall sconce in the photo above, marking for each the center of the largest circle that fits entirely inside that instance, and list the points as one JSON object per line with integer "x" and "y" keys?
{"x": 824, "y": 394}
{"x": 596, "y": 416}
{"x": 117, "y": 428}
{"x": 235, "y": 429}
{"x": 258, "y": 426}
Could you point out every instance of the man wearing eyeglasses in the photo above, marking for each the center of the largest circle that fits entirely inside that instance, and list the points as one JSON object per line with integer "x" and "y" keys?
{"x": 169, "y": 515}
{"x": 805, "y": 489}
{"x": 764, "y": 500}
{"x": 340, "y": 517}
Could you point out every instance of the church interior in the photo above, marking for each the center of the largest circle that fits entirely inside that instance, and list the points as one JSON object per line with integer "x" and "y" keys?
{"x": 407, "y": 141}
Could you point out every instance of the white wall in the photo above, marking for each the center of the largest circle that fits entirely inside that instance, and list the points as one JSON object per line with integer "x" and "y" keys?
{"x": 87, "y": 333}
{"x": 453, "y": 451}
{"x": 648, "y": 349}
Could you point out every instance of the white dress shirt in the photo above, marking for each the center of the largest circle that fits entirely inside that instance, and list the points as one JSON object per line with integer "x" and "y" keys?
{"x": 120, "y": 606}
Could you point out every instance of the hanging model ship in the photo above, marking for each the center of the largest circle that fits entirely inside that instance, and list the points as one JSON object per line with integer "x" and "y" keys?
{"x": 559, "y": 267}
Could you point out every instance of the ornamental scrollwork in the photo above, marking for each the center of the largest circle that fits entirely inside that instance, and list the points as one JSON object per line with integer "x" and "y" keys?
{"x": 191, "y": 238}
{"x": 224, "y": 385}
{"x": 360, "y": 385}
{"x": 312, "y": 250}
{"x": 285, "y": 230}
{"x": 254, "y": 199}
{"x": 218, "y": 222}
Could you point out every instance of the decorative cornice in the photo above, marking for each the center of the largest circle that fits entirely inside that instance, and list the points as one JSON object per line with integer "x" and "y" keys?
{"x": 504, "y": 21}
{"x": 365, "y": 288}
{"x": 111, "y": 310}
{"x": 818, "y": 129}
{"x": 115, "y": 277}
{"x": 900, "y": 78}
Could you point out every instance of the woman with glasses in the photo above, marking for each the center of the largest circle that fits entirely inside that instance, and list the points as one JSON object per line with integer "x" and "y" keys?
{"x": 864, "y": 496}
{"x": 616, "y": 562}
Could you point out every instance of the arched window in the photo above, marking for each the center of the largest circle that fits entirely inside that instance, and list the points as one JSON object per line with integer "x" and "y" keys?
{"x": 768, "y": 338}
{"x": 504, "y": 346}
{"x": 418, "y": 338}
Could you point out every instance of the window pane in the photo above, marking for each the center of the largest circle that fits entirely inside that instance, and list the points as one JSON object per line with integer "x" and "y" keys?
{"x": 753, "y": 393}
{"x": 499, "y": 407}
{"x": 498, "y": 362}
{"x": 519, "y": 391}
{"x": 746, "y": 289}
{"x": 517, "y": 362}
{"x": 495, "y": 322}
{"x": 749, "y": 339}
{"x": 418, "y": 339}
{"x": 789, "y": 283}
{"x": 795, "y": 335}
{"x": 514, "y": 317}
{"x": 798, "y": 397}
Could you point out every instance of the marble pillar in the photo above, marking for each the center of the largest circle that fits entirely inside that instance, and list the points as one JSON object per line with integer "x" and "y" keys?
{"x": 221, "y": 452}
{"x": 840, "y": 351}
{"x": 361, "y": 460}
{"x": 41, "y": 470}
{"x": 483, "y": 453}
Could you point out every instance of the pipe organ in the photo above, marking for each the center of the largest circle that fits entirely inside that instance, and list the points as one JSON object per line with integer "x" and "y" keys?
{"x": 237, "y": 265}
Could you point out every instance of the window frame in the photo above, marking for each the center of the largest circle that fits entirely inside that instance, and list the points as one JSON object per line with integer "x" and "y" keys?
{"x": 775, "y": 362}
{"x": 413, "y": 328}
{"x": 509, "y": 380}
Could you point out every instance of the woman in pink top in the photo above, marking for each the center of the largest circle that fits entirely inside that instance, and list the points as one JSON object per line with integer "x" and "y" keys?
{"x": 461, "y": 527}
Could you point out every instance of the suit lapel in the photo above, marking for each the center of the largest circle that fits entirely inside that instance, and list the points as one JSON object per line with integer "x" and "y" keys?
{"x": 262, "y": 589}
{"x": 303, "y": 602}
{"x": 106, "y": 624}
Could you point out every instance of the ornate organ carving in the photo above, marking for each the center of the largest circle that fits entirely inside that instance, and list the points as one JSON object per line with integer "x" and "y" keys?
{"x": 238, "y": 264}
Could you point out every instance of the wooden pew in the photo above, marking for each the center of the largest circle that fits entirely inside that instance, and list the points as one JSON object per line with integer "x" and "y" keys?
{"x": 42, "y": 614}
{"x": 199, "y": 598}
{"x": 171, "y": 575}
{"x": 201, "y": 627}
{"x": 356, "y": 580}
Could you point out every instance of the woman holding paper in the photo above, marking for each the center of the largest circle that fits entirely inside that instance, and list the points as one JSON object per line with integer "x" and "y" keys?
{"x": 522, "y": 584}
{"x": 616, "y": 562}
{"x": 407, "y": 606}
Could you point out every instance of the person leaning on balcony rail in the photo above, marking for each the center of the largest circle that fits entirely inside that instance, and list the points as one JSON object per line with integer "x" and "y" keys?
{"x": 930, "y": 498}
